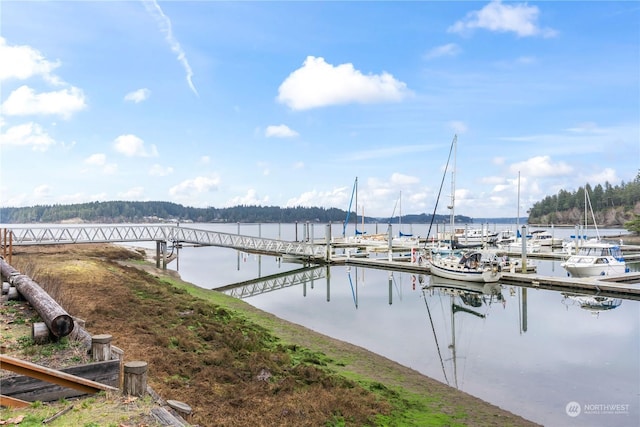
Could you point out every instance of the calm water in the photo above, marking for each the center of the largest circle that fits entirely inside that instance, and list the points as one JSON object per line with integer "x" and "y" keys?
{"x": 532, "y": 352}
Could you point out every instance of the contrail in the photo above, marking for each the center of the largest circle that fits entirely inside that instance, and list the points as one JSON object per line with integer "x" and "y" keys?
{"x": 164, "y": 22}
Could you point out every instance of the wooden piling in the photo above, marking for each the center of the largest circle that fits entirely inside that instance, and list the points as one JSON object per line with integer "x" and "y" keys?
{"x": 40, "y": 333}
{"x": 135, "y": 378}
{"x": 101, "y": 347}
{"x": 181, "y": 408}
{"x": 12, "y": 294}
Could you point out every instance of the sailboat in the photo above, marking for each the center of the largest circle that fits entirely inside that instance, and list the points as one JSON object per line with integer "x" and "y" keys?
{"x": 354, "y": 193}
{"x": 400, "y": 233}
{"x": 471, "y": 266}
{"x": 595, "y": 257}
{"x": 402, "y": 239}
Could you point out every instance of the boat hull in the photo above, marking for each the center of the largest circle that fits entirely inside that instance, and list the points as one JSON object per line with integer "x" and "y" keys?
{"x": 452, "y": 270}
{"x": 578, "y": 269}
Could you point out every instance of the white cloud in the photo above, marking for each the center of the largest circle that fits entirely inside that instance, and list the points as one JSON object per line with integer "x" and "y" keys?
{"x": 398, "y": 179}
{"x": 24, "y": 101}
{"x": 97, "y": 159}
{"x": 250, "y": 198}
{"x": 201, "y": 184}
{"x": 132, "y": 146}
{"x": 134, "y": 193}
{"x": 606, "y": 175}
{"x": 165, "y": 26}
{"x": 100, "y": 159}
{"x": 298, "y": 165}
{"x": 42, "y": 192}
{"x": 157, "y": 170}
{"x": 541, "y": 166}
{"x": 518, "y": 18}
{"x": 138, "y": 96}
{"x": 336, "y": 197}
{"x": 500, "y": 160}
{"x": 450, "y": 49}
{"x": 27, "y": 134}
{"x": 280, "y": 131}
{"x": 319, "y": 84}
{"x": 458, "y": 126}
{"x": 23, "y": 62}
{"x": 205, "y": 160}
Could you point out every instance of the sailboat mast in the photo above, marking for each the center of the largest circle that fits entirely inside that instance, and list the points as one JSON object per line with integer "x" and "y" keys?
{"x": 400, "y": 217}
{"x": 453, "y": 187}
{"x": 518, "y": 210}
{"x": 356, "y": 189}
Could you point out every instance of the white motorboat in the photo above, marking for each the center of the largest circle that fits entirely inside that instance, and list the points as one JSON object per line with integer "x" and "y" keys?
{"x": 596, "y": 258}
{"x": 475, "y": 236}
{"x": 544, "y": 238}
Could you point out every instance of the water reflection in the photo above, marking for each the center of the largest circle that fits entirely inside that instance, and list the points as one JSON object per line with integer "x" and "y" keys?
{"x": 592, "y": 303}
{"x": 460, "y": 299}
{"x": 520, "y": 348}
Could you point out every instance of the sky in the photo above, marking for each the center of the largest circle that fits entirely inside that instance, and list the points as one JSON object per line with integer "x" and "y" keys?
{"x": 273, "y": 103}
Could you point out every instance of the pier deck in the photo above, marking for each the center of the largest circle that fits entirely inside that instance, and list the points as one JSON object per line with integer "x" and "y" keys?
{"x": 618, "y": 286}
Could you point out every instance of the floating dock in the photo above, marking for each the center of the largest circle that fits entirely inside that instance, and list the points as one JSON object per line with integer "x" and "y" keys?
{"x": 625, "y": 285}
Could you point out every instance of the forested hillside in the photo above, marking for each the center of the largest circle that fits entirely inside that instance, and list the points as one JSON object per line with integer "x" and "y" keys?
{"x": 153, "y": 212}
{"x": 612, "y": 206}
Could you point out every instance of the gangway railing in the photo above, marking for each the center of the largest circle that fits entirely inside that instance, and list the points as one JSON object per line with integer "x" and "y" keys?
{"x": 166, "y": 233}
{"x": 274, "y": 282}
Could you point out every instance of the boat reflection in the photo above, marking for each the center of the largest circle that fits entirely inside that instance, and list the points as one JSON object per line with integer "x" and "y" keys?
{"x": 467, "y": 300}
{"x": 592, "y": 303}
{"x": 470, "y": 293}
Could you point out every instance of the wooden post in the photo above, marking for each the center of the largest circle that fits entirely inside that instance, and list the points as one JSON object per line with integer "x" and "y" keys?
{"x": 327, "y": 255}
{"x": 181, "y": 408}
{"x": 40, "y": 333}
{"x": 13, "y": 294}
{"x": 101, "y": 347}
{"x": 118, "y": 353}
{"x": 158, "y": 243}
{"x": 135, "y": 378}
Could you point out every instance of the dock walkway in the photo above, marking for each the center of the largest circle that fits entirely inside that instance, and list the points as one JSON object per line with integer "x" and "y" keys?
{"x": 618, "y": 286}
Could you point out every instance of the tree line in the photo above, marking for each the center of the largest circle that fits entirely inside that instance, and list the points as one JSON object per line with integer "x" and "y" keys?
{"x": 152, "y": 212}
{"x": 612, "y": 204}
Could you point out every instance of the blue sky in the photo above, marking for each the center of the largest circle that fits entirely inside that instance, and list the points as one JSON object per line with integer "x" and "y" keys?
{"x": 285, "y": 103}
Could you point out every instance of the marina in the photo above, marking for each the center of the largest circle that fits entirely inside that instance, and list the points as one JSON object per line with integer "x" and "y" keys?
{"x": 525, "y": 349}
{"x": 406, "y": 256}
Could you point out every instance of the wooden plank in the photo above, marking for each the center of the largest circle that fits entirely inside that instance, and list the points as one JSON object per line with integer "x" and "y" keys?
{"x": 12, "y": 402}
{"x": 32, "y": 389}
{"x": 60, "y": 378}
{"x": 166, "y": 418}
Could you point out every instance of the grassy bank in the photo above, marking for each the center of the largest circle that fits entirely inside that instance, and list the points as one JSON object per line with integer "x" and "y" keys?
{"x": 236, "y": 365}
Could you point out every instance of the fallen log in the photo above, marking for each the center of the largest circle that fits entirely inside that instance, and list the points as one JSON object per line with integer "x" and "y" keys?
{"x": 54, "y": 316}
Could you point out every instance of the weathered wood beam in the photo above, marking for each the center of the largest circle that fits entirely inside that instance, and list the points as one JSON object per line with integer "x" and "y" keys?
{"x": 12, "y": 402}
{"x": 59, "y": 322}
{"x": 51, "y": 375}
{"x": 31, "y": 389}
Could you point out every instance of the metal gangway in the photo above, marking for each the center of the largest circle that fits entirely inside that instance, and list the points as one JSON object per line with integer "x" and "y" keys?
{"x": 163, "y": 234}
{"x": 274, "y": 282}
